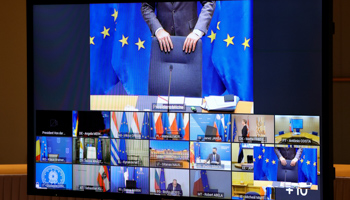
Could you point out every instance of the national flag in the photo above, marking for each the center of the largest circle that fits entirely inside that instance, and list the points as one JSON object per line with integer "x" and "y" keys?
{"x": 114, "y": 125}
{"x": 159, "y": 125}
{"x": 240, "y": 153}
{"x": 205, "y": 181}
{"x": 135, "y": 129}
{"x": 81, "y": 148}
{"x": 192, "y": 157}
{"x": 156, "y": 180}
{"x": 43, "y": 148}
{"x": 166, "y": 124}
{"x": 124, "y": 129}
{"x": 103, "y": 178}
{"x": 198, "y": 184}
{"x": 75, "y": 123}
{"x": 290, "y": 126}
{"x": 234, "y": 130}
{"x": 38, "y": 152}
{"x": 152, "y": 126}
{"x": 126, "y": 175}
{"x": 99, "y": 149}
{"x": 187, "y": 126}
{"x": 115, "y": 152}
{"x": 162, "y": 180}
{"x": 145, "y": 126}
{"x": 307, "y": 166}
{"x": 181, "y": 125}
{"x": 173, "y": 123}
{"x": 219, "y": 125}
{"x": 227, "y": 127}
{"x": 248, "y": 132}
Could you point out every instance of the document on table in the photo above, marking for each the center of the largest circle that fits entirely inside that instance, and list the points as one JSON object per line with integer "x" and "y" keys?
{"x": 173, "y": 100}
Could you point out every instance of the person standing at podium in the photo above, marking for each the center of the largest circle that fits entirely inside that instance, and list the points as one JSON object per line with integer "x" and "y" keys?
{"x": 214, "y": 158}
{"x": 244, "y": 130}
{"x": 179, "y": 19}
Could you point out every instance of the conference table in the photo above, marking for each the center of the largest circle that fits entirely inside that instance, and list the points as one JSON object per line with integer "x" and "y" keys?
{"x": 144, "y": 103}
{"x": 278, "y": 139}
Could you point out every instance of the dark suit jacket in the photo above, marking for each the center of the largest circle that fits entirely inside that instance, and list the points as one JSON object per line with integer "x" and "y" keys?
{"x": 288, "y": 153}
{"x": 244, "y": 131}
{"x": 178, "y": 18}
{"x": 217, "y": 158}
{"x": 177, "y": 188}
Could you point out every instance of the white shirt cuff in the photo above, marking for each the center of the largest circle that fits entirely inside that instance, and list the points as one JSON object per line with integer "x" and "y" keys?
{"x": 160, "y": 28}
{"x": 198, "y": 32}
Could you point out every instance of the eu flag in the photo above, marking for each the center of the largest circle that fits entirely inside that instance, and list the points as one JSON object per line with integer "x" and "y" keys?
{"x": 205, "y": 182}
{"x": 234, "y": 130}
{"x": 166, "y": 123}
{"x": 180, "y": 125}
{"x": 197, "y": 147}
{"x": 162, "y": 180}
{"x": 43, "y": 148}
{"x": 240, "y": 153}
{"x": 228, "y": 131}
{"x": 258, "y": 162}
{"x": 230, "y": 36}
{"x": 124, "y": 129}
{"x": 152, "y": 126}
{"x": 99, "y": 149}
{"x": 145, "y": 127}
{"x": 122, "y": 152}
{"x": 142, "y": 181}
{"x": 307, "y": 170}
{"x": 270, "y": 163}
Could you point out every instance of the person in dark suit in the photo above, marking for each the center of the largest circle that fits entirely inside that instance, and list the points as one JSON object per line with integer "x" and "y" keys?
{"x": 174, "y": 188}
{"x": 214, "y": 158}
{"x": 244, "y": 130}
{"x": 178, "y": 18}
{"x": 288, "y": 153}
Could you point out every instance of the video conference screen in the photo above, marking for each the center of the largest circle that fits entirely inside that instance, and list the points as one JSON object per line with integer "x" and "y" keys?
{"x": 204, "y": 99}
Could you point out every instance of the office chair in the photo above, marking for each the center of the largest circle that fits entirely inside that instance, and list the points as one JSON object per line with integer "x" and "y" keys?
{"x": 287, "y": 173}
{"x": 186, "y": 78}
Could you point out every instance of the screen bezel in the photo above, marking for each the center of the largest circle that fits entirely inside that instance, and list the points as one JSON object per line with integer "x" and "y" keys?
{"x": 327, "y": 169}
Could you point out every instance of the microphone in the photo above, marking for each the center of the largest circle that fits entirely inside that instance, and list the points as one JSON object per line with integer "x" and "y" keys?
{"x": 170, "y": 69}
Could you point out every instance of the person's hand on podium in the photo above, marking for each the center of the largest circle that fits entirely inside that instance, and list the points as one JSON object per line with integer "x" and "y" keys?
{"x": 283, "y": 161}
{"x": 164, "y": 40}
{"x": 190, "y": 42}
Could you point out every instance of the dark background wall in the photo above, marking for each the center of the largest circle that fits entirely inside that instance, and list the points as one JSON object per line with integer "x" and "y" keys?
{"x": 13, "y": 98}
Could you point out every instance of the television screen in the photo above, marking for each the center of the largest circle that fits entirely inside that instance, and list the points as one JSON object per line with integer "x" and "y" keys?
{"x": 169, "y": 100}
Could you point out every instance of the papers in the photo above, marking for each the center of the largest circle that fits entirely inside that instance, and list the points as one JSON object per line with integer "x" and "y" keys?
{"x": 218, "y": 103}
{"x": 91, "y": 153}
{"x": 193, "y": 101}
{"x": 173, "y": 100}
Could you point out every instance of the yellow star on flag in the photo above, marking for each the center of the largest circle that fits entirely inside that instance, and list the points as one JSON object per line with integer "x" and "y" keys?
{"x": 301, "y": 160}
{"x": 273, "y": 162}
{"x": 92, "y": 40}
{"x": 315, "y": 164}
{"x": 246, "y": 43}
{"x": 105, "y": 32}
{"x": 253, "y": 159}
{"x": 267, "y": 160}
{"x": 217, "y": 25}
{"x": 115, "y": 14}
{"x": 263, "y": 150}
{"x": 140, "y": 44}
{"x": 124, "y": 40}
{"x": 308, "y": 162}
{"x": 228, "y": 40}
{"x": 212, "y": 36}
{"x": 259, "y": 157}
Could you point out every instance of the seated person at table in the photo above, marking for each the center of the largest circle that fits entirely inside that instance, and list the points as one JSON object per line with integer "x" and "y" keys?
{"x": 214, "y": 158}
{"x": 174, "y": 188}
{"x": 288, "y": 153}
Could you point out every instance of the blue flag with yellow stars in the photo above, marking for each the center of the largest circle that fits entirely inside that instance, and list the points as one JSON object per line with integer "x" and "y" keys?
{"x": 120, "y": 45}
{"x": 228, "y": 50}
{"x": 307, "y": 170}
{"x": 145, "y": 127}
{"x": 99, "y": 149}
{"x": 265, "y": 163}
